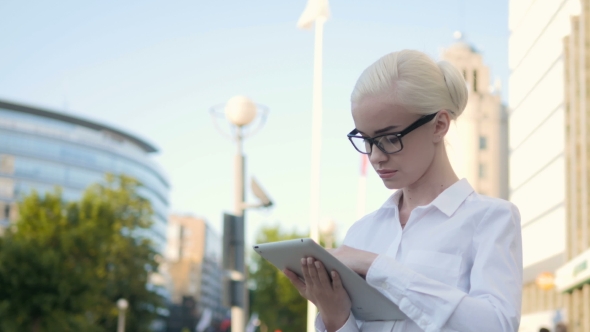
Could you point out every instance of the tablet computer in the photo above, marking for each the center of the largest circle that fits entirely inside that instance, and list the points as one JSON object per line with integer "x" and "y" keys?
{"x": 368, "y": 303}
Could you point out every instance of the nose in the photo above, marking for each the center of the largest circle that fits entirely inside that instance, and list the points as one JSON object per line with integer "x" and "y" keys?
{"x": 377, "y": 156}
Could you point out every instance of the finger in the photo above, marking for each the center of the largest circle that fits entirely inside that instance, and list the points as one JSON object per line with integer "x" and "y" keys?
{"x": 323, "y": 275}
{"x": 313, "y": 272}
{"x": 336, "y": 281}
{"x": 300, "y": 285}
{"x": 306, "y": 276}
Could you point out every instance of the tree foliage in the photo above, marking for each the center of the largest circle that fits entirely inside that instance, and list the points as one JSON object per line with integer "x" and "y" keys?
{"x": 274, "y": 298}
{"x": 63, "y": 265}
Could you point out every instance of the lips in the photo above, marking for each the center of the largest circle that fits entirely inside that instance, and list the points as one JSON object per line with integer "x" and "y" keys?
{"x": 386, "y": 173}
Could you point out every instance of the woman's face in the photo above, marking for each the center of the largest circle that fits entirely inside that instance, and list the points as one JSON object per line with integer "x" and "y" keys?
{"x": 376, "y": 115}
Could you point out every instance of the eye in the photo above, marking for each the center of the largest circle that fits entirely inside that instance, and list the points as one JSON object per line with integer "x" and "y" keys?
{"x": 392, "y": 139}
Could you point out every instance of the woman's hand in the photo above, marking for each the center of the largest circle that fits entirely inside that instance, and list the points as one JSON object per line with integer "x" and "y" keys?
{"x": 327, "y": 294}
{"x": 357, "y": 260}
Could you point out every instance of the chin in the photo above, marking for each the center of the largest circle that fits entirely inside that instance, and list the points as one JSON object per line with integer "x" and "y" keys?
{"x": 392, "y": 185}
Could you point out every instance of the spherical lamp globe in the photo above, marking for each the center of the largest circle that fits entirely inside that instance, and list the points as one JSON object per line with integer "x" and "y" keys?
{"x": 122, "y": 304}
{"x": 240, "y": 110}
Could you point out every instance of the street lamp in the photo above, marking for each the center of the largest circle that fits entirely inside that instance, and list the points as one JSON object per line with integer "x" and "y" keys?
{"x": 241, "y": 113}
{"x": 122, "y": 304}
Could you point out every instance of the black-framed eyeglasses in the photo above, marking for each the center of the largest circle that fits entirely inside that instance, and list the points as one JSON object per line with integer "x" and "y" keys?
{"x": 387, "y": 143}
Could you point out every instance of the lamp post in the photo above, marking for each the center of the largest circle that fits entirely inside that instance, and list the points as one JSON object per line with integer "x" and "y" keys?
{"x": 315, "y": 14}
{"x": 328, "y": 230}
{"x": 122, "y": 305}
{"x": 240, "y": 112}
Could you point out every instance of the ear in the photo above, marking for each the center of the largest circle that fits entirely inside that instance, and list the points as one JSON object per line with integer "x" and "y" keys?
{"x": 442, "y": 122}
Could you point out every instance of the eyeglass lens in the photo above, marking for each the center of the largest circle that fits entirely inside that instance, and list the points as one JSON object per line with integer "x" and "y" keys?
{"x": 387, "y": 143}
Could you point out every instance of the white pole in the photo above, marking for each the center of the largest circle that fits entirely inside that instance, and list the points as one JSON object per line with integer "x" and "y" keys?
{"x": 361, "y": 207}
{"x": 316, "y": 148}
{"x": 122, "y": 305}
{"x": 362, "y": 197}
{"x": 238, "y": 313}
{"x": 121, "y": 321}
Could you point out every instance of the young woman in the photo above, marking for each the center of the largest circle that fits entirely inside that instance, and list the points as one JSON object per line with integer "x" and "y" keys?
{"x": 451, "y": 259}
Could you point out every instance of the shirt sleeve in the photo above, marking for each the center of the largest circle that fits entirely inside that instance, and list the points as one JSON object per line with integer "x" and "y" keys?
{"x": 494, "y": 298}
{"x": 349, "y": 326}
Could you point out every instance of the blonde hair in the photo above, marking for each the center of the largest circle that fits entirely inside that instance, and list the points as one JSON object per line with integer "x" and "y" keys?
{"x": 416, "y": 82}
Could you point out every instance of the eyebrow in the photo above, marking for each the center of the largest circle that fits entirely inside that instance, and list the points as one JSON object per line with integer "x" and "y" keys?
{"x": 386, "y": 129}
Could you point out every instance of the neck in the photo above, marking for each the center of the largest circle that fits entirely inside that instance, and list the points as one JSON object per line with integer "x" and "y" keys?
{"x": 438, "y": 177}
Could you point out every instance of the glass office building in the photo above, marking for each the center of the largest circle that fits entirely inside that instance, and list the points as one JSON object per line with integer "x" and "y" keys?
{"x": 41, "y": 149}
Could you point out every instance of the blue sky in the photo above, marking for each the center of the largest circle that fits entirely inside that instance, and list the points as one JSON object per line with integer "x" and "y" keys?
{"x": 154, "y": 68}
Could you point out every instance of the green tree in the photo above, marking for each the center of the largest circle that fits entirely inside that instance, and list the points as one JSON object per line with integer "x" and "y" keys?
{"x": 46, "y": 274}
{"x": 63, "y": 265}
{"x": 274, "y": 298}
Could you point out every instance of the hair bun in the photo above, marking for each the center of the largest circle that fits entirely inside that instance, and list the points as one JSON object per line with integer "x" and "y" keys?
{"x": 413, "y": 79}
{"x": 456, "y": 86}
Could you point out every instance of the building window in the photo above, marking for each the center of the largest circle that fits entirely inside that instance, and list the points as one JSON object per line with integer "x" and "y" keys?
{"x": 482, "y": 171}
{"x": 483, "y": 142}
{"x": 475, "y": 81}
{"x": 6, "y": 211}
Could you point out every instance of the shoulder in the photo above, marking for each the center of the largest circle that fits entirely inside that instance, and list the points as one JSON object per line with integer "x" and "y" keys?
{"x": 498, "y": 232}
{"x": 492, "y": 211}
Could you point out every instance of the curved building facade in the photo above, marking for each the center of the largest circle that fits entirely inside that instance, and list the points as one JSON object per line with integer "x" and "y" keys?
{"x": 41, "y": 149}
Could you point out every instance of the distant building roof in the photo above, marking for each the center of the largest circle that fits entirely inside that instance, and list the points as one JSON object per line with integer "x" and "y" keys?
{"x": 461, "y": 41}
{"x": 77, "y": 121}
{"x": 465, "y": 45}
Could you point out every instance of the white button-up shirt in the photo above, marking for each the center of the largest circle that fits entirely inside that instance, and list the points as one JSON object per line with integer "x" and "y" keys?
{"x": 455, "y": 266}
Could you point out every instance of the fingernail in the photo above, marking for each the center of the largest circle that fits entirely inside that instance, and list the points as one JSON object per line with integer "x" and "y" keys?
{"x": 303, "y": 261}
{"x": 317, "y": 264}
{"x": 309, "y": 260}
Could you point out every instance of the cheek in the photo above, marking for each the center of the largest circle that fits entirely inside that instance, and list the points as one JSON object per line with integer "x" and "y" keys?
{"x": 417, "y": 156}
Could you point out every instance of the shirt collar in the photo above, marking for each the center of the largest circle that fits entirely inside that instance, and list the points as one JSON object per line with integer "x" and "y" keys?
{"x": 447, "y": 202}
{"x": 393, "y": 201}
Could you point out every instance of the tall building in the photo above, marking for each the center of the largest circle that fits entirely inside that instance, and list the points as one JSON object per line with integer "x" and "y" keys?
{"x": 540, "y": 157}
{"x": 41, "y": 149}
{"x": 193, "y": 262}
{"x": 477, "y": 142}
{"x": 574, "y": 277}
